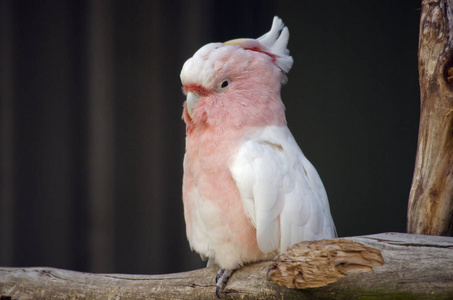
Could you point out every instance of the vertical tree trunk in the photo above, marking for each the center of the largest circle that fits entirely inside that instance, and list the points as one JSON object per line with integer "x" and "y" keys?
{"x": 431, "y": 197}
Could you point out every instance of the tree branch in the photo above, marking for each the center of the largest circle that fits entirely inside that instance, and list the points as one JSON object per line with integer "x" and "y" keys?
{"x": 415, "y": 266}
{"x": 430, "y": 208}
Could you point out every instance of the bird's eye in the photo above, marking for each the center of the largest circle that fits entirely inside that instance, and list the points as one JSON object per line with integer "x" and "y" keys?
{"x": 224, "y": 84}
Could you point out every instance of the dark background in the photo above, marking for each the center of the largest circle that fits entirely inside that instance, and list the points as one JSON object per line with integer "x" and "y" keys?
{"x": 92, "y": 139}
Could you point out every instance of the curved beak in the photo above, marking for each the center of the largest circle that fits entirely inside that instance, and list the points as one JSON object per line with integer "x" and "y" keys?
{"x": 192, "y": 100}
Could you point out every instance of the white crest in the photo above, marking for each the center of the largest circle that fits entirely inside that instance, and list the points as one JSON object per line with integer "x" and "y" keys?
{"x": 276, "y": 40}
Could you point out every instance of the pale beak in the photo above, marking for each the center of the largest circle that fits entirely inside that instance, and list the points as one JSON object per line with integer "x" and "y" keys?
{"x": 192, "y": 100}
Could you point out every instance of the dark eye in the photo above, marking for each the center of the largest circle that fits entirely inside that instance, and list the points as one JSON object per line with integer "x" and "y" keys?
{"x": 224, "y": 84}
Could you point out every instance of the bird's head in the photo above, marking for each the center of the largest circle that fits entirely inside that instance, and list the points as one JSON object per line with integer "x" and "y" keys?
{"x": 238, "y": 82}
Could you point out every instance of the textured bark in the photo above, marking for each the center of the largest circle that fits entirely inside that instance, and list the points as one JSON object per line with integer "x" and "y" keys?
{"x": 318, "y": 263}
{"x": 415, "y": 267}
{"x": 430, "y": 208}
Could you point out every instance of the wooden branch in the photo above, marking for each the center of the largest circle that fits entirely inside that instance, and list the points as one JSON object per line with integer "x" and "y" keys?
{"x": 318, "y": 263}
{"x": 431, "y": 197}
{"x": 415, "y": 266}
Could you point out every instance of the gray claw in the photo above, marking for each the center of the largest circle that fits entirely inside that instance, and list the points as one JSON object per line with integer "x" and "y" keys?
{"x": 217, "y": 292}
{"x": 219, "y": 274}
{"x": 221, "y": 280}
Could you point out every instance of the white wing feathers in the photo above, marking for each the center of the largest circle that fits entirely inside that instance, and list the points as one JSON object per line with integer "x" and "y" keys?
{"x": 281, "y": 191}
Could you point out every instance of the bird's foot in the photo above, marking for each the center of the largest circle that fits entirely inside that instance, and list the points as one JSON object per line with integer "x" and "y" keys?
{"x": 221, "y": 280}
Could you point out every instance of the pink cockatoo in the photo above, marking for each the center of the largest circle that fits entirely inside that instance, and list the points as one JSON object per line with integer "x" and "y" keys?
{"x": 248, "y": 190}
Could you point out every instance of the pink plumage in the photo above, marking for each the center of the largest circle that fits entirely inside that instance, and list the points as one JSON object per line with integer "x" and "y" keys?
{"x": 248, "y": 190}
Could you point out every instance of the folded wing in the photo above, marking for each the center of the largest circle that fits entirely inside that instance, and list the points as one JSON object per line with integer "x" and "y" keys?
{"x": 281, "y": 191}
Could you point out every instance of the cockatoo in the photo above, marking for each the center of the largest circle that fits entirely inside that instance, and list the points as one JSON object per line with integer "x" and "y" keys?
{"x": 248, "y": 190}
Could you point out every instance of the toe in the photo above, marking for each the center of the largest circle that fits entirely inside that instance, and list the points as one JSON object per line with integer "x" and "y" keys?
{"x": 217, "y": 292}
{"x": 221, "y": 280}
{"x": 219, "y": 274}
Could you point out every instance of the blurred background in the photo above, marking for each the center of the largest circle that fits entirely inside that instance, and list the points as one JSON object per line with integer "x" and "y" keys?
{"x": 92, "y": 140}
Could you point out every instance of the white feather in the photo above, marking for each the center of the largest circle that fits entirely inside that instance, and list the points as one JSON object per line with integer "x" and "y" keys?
{"x": 198, "y": 69}
{"x": 281, "y": 191}
{"x": 277, "y": 40}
